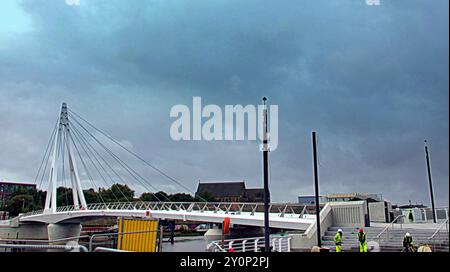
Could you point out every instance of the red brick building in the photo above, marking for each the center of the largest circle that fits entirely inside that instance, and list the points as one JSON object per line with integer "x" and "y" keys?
{"x": 230, "y": 191}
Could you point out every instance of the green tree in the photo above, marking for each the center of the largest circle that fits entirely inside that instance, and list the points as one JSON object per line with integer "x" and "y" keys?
{"x": 152, "y": 197}
{"x": 91, "y": 196}
{"x": 181, "y": 197}
{"x": 117, "y": 193}
{"x": 24, "y": 200}
{"x": 64, "y": 196}
{"x": 19, "y": 204}
{"x": 205, "y": 196}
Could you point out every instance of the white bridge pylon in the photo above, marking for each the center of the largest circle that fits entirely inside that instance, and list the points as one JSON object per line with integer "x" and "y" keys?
{"x": 63, "y": 132}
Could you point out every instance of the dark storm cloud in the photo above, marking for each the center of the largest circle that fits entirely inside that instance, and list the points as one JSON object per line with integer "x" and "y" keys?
{"x": 372, "y": 80}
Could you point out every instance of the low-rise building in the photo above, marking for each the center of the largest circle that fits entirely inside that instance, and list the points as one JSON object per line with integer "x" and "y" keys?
{"x": 354, "y": 197}
{"x": 378, "y": 209}
{"x": 311, "y": 200}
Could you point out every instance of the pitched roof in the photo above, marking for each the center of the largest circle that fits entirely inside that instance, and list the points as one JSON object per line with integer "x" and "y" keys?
{"x": 222, "y": 189}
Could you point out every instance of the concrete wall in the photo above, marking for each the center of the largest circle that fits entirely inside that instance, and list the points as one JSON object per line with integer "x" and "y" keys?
{"x": 342, "y": 214}
{"x": 309, "y": 238}
{"x": 25, "y": 231}
{"x": 61, "y": 231}
{"x": 349, "y": 214}
{"x": 377, "y": 212}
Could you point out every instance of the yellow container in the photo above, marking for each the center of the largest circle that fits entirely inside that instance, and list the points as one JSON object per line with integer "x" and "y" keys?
{"x": 140, "y": 235}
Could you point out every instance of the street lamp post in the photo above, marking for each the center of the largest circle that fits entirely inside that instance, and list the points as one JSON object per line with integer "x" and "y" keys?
{"x": 316, "y": 188}
{"x": 266, "y": 179}
{"x": 430, "y": 181}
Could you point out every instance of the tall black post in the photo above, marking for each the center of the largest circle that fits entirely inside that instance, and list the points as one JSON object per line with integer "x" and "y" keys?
{"x": 430, "y": 182}
{"x": 316, "y": 188}
{"x": 266, "y": 180}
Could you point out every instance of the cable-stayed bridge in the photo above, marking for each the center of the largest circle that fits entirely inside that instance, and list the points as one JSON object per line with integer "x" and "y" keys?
{"x": 75, "y": 145}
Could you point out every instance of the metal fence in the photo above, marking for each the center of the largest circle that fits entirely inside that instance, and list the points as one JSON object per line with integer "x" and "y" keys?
{"x": 255, "y": 244}
{"x": 85, "y": 243}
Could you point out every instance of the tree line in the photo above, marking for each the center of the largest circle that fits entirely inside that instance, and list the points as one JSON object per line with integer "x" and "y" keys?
{"x": 24, "y": 200}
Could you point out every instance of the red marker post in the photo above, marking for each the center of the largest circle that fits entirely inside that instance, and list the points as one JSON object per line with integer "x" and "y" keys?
{"x": 225, "y": 229}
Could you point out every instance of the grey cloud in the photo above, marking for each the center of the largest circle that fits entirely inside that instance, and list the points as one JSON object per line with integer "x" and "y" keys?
{"x": 372, "y": 80}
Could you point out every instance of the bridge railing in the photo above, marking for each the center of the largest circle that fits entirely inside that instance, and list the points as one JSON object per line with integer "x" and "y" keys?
{"x": 81, "y": 242}
{"x": 32, "y": 213}
{"x": 254, "y": 244}
{"x": 282, "y": 209}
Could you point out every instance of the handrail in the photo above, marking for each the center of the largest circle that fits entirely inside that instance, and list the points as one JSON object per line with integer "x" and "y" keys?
{"x": 45, "y": 241}
{"x": 252, "y": 244}
{"x": 390, "y": 225}
{"x": 64, "y": 247}
{"x": 107, "y": 249}
{"x": 438, "y": 229}
{"x": 217, "y": 247}
{"x": 91, "y": 239}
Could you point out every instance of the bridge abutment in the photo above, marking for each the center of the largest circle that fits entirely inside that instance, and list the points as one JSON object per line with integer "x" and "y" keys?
{"x": 62, "y": 231}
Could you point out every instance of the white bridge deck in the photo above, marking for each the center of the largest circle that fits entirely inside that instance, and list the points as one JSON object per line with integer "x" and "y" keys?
{"x": 282, "y": 215}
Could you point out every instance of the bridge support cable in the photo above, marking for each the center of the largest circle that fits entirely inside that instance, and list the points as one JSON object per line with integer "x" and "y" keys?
{"x": 99, "y": 196}
{"x": 129, "y": 169}
{"x": 135, "y": 175}
{"x": 88, "y": 151}
{"x": 46, "y": 156}
{"x": 93, "y": 151}
{"x": 75, "y": 116}
{"x": 124, "y": 165}
{"x": 95, "y": 166}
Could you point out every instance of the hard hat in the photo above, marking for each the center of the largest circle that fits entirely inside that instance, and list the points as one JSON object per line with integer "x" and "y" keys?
{"x": 339, "y": 230}
{"x": 407, "y": 234}
{"x": 361, "y": 230}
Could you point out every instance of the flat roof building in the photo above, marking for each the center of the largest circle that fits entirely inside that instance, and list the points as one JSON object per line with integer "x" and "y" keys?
{"x": 354, "y": 197}
{"x": 311, "y": 200}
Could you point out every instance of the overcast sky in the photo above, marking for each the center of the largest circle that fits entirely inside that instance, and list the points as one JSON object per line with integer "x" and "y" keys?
{"x": 371, "y": 80}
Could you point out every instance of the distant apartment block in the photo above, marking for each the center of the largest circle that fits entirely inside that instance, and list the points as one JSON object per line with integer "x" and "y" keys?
{"x": 8, "y": 187}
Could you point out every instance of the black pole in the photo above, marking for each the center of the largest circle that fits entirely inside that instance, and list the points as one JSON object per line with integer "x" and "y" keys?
{"x": 430, "y": 182}
{"x": 316, "y": 188}
{"x": 266, "y": 181}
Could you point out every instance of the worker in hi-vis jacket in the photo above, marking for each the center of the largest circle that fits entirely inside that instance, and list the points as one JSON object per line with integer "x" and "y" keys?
{"x": 338, "y": 240}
